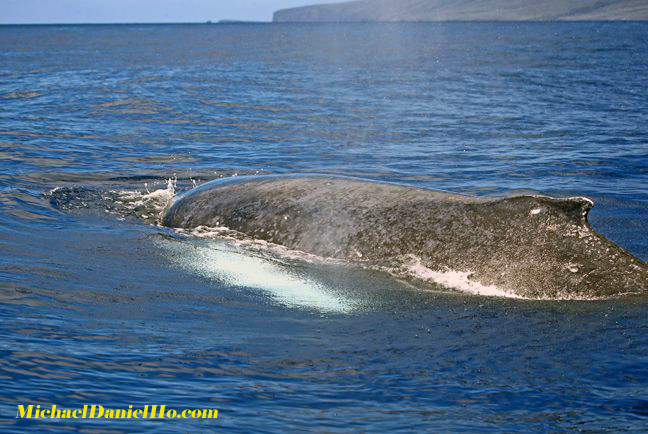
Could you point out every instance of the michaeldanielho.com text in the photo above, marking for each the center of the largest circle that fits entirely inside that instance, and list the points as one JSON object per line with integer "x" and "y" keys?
{"x": 98, "y": 412}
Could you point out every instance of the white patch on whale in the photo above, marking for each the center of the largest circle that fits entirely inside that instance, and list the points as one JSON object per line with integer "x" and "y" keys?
{"x": 459, "y": 280}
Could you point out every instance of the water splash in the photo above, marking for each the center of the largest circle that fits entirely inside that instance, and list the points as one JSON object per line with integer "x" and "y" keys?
{"x": 144, "y": 205}
{"x": 154, "y": 202}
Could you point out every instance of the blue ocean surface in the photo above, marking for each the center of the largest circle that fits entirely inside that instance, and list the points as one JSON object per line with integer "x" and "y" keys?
{"x": 102, "y": 125}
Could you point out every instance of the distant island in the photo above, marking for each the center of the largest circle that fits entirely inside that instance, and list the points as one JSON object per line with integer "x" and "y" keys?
{"x": 226, "y": 21}
{"x": 468, "y": 10}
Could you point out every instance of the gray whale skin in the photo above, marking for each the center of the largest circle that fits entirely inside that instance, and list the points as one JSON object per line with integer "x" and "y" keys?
{"x": 531, "y": 246}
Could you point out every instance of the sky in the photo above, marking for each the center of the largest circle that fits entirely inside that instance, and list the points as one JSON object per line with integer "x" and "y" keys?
{"x": 141, "y": 11}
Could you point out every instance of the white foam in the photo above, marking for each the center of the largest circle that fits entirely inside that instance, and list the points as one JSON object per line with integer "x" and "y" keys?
{"x": 236, "y": 266}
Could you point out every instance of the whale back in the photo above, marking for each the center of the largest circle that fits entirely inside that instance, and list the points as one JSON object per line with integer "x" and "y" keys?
{"x": 536, "y": 246}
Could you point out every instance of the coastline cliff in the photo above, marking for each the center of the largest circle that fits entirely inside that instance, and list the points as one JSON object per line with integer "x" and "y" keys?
{"x": 468, "y": 10}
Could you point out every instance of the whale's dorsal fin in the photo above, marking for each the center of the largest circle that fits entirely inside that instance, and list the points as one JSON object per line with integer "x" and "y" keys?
{"x": 574, "y": 209}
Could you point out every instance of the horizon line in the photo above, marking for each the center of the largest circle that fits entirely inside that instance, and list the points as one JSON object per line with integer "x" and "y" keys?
{"x": 236, "y": 21}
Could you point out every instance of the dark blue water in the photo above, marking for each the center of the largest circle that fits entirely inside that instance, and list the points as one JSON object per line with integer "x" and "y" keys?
{"x": 100, "y": 306}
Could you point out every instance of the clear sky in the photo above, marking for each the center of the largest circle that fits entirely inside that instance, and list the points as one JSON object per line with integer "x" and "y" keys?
{"x": 141, "y": 11}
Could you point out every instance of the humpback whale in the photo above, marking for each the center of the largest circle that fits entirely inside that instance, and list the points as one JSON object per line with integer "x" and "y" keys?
{"x": 532, "y": 246}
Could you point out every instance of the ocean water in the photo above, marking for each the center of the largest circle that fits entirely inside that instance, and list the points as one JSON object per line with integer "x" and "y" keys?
{"x": 100, "y": 126}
